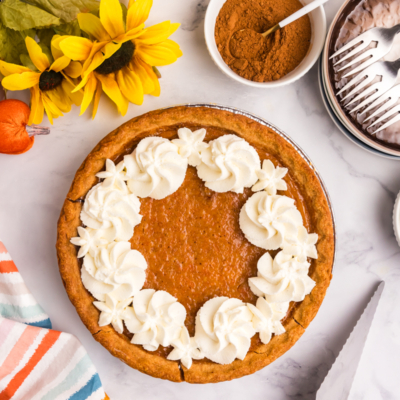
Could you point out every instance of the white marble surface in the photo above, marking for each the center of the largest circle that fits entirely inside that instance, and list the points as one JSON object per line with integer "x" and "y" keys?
{"x": 362, "y": 188}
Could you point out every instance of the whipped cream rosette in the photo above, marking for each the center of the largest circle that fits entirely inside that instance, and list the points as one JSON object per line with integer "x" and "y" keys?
{"x": 112, "y": 311}
{"x": 229, "y": 163}
{"x": 190, "y": 145}
{"x": 186, "y": 349}
{"x": 116, "y": 270}
{"x": 224, "y": 329}
{"x": 267, "y": 318}
{"x": 156, "y": 318}
{"x": 113, "y": 211}
{"x": 270, "y": 178}
{"x": 267, "y": 221}
{"x": 115, "y": 274}
{"x": 90, "y": 240}
{"x": 155, "y": 169}
{"x": 282, "y": 279}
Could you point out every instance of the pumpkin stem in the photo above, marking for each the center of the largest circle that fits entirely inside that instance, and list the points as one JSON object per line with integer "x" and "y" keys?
{"x": 35, "y": 130}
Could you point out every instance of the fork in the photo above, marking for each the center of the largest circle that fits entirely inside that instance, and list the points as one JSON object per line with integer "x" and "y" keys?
{"x": 392, "y": 96}
{"x": 383, "y": 36}
{"x": 388, "y": 70}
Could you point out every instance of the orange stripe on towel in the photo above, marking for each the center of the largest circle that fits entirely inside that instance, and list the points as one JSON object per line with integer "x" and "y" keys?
{"x": 20, "y": 348}
{"x": 47, "y": 342}
{"x": 8, "y": 266}
{"x": 2, "y": 248}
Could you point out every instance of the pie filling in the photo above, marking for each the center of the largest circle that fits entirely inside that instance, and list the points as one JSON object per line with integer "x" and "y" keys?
{"x": 209, "y": 260}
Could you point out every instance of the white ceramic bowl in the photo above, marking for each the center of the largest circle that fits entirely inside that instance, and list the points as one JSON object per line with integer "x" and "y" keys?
{"x": 318, "y": 26}
{"x": 396, "y": 219}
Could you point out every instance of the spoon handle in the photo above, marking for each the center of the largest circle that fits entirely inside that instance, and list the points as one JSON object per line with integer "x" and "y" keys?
{"x": 303, "y": 11}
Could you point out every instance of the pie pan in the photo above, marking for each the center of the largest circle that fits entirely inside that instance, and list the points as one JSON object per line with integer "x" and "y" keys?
{"x": 259, "y": 133}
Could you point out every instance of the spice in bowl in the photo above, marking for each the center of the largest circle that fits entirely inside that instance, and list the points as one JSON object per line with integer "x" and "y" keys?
{"x": 238, "y": 37}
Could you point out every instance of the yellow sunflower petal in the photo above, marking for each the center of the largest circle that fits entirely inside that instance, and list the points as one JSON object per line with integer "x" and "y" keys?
{"x": 158, "y": 33}
{"x": 37, "y": 109}
{"x": 110, "y": 49}
{"x": 130, "y": 35}
{"x": 60, "y": 64}
{"x": 173, "y": 46}
{"x": 157, "y": 54}
{"x": 74, "y": 69}
{"x": 99, "y": 92}
{"x": 91, "y": 24}
{"x": 36, "y": 54}
{"x": 138, "y": 12}
{"x": 139, "y": 67}
{"x": 60, "y": 99}
{"x": 68, "y": 87}
{"x": 88, "y": 93}
{"x": 22, "y": 81}
{"x": 130, "y": 85}
{"x": 111, "y": 17}
{"x": 76, "y": 48}
{"x": 97, "y": 46}
{"x": 9, "y": 69}
{"x": 52, "y": 110}
{"x": 111, "y": 89}
{"x": 97, "y": 60}
{"x": 55, "y": 46}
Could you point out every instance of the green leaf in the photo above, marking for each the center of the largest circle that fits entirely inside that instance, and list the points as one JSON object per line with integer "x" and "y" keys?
{"x": 47, "y": 51}
{"x": 45, "y": 36}
{"x": 27, "y": 62}
{"x": 12, "y": 44}
{"x": 71, "y": 28}
{"x": 67, "y": 10}
{"x": 18, "y": 15}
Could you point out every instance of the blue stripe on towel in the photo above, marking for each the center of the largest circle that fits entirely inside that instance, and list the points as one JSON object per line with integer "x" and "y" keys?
{"x": 91, "y": 387}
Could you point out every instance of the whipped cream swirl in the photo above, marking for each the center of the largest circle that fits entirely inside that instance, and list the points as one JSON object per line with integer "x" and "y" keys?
{"x": 155, "y": 169}
{"x": 156, "y": 318}
{"x": 302, "y": 245}
{"x": 114, "y": 175}
{"x": 270, "y": 178}
{"x": 267, "y": 318}
{"x": 112, "y": 312}
{"x": 224, "y": 329}
{"x": 190, "y": 144}
{"x": 229, "y": 163}
{"x": 267, "y": 221}
{"x": 116, "y": 270}
{"x": 90, "y": 240}
{"x": 281, "y": 280}
{"x": 185, "y": 349}
{"x": 113, "y": 211}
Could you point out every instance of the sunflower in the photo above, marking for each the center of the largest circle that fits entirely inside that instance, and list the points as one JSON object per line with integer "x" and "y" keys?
{"x": 120, "y": 54}
{"x": 49, "y": 81}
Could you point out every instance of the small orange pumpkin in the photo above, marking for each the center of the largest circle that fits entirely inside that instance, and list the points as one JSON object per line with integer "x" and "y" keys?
{"x": 16, "y": 136}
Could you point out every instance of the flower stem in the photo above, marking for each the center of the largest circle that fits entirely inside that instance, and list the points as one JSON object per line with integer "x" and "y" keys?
{"x": 35, "y": 130}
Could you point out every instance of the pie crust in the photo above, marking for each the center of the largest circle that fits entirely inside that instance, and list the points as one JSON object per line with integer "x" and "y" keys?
{"x": 122, "y": 141}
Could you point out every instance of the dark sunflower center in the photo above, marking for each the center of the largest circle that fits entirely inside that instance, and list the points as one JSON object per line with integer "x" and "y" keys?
{"x": 118, "y": 60}
{"x": 50, "y": 80}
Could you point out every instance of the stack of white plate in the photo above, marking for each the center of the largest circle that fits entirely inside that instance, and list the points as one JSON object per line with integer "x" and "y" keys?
{"x": 345, "y": 125}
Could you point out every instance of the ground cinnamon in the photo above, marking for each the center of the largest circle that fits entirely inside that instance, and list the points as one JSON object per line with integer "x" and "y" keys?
{"x": 237, "y": 35}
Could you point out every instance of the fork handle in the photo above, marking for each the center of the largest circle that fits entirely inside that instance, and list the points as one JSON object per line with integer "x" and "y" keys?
{"x": 395, "y": 29}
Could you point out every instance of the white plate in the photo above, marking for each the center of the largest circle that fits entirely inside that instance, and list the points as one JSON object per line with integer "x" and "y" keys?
{"x": 340, "y": 124}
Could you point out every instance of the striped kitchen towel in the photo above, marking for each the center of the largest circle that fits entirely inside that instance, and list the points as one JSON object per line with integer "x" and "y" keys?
{"x": 16, "y": 301}
{"x": 36, "y": 362}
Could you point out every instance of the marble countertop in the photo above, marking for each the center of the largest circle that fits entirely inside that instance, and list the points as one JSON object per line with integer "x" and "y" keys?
{"x": 362, "y": 187}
